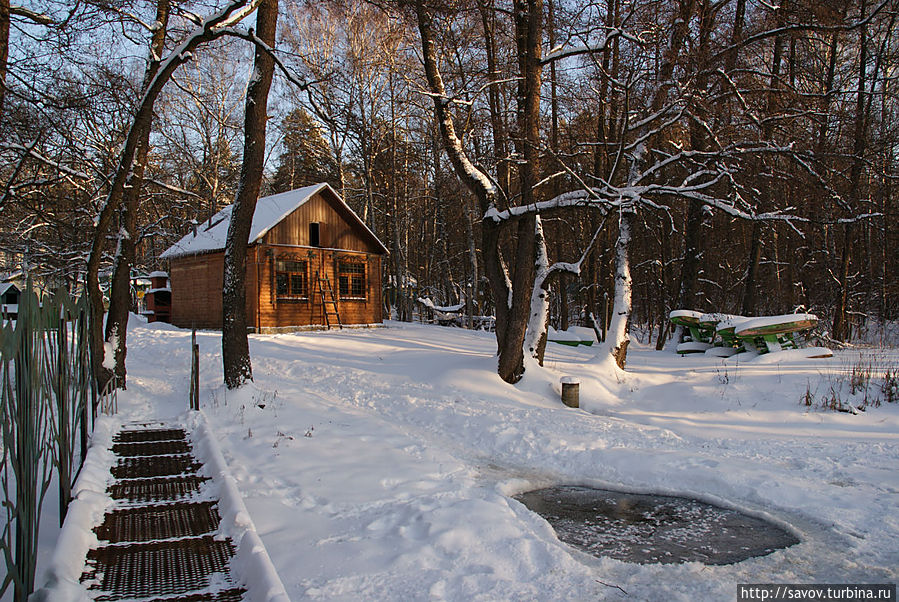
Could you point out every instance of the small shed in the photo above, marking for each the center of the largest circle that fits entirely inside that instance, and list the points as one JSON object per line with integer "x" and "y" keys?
{"x": 158, "y": 298}
{"x": 311, "y": 263}
{"x": 9, "y": 301}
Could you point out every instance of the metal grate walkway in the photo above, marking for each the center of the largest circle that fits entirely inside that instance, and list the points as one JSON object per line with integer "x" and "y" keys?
{"x": 158, "y": 540}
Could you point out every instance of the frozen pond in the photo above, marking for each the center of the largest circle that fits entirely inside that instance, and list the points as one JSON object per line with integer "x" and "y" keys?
{"x": 653, "y": 528}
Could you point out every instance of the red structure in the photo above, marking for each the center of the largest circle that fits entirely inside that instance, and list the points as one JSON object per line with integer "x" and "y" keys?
{"x": 159, "y": 298}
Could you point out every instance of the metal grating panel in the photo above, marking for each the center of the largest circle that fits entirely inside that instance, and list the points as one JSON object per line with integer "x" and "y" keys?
{"x": 156, "y": 490}
{"x": 159, "y": 568}
{"x": 152, "y": 448}
{"x": 230, "y": 595}
{"x": 154, "y": 466}
{"x": 143, "y": 435}
{"x": 148, "y": 523}
{"x": 234, "y": 594}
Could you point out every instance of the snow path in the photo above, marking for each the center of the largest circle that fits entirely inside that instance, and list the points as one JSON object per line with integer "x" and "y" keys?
{"x": 400, "y": 491}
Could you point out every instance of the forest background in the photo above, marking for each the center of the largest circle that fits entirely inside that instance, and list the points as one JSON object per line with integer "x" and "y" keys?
{"x": 736, "y": 155}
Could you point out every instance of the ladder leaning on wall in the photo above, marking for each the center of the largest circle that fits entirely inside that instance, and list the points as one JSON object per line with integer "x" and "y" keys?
{"x": 329, "y": 303}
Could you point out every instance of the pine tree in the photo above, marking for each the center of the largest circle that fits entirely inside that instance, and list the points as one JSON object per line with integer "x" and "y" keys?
{"x": 307, "y": 158}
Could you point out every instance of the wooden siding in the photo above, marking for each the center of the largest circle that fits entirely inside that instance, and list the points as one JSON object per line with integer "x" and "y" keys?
{"x": 320, "y": 263}
{"x": 337, "y": 231}
{"x": 196, "y": 282}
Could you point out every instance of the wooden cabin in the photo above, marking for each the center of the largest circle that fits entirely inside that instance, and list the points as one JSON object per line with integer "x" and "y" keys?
{"x": 311, "y": 263}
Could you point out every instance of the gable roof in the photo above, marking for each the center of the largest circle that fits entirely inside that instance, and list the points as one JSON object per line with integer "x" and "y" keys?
{"x": 270, "y": 210}
{"x": 6, "y": 286}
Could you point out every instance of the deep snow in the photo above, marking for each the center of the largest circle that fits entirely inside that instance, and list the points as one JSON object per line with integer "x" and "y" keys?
{"x": 379, "y": 464}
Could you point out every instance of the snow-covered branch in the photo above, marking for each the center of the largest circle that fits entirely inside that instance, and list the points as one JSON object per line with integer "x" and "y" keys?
{"x": 35, "y": 17}
{"x": 209, "y": 29}
{"x": 800, "y": 28}
{"x": 575, "y": 268}
{"x": 562, "y": 52}
{"x": 28, "y": 151}
{"x": 250, "y": 36}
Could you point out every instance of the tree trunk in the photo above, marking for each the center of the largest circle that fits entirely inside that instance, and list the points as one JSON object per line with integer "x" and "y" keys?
{"x": 493, "y": 97}
{"x": 474, "y": 284}
{"x": 120, "y": 290}
{"x": 528, "y": 34}
{"x": 235, "y": 344}
{"x": 840, "y": 320}
{"x": 475, "y": 180}
{"x": 535, "y": 337}
{"x": 736, "y": 35}
{"x": 747, "y": 307}
{"x": 211, "y": 29}
{"x": 618, "y": 337}
{"x": 693, "y": 252}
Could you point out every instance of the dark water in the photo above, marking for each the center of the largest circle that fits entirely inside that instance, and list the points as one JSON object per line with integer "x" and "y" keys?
{"x": 653, "y": 528}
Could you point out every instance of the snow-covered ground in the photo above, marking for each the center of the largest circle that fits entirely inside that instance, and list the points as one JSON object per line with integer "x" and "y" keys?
{"x": 379, "y": 464}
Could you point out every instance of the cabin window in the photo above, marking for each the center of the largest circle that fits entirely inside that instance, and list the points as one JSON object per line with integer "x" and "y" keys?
{"x": 291, "y": 280}
{"x": 315, "y": 234}
{"x": 351, "y": 276}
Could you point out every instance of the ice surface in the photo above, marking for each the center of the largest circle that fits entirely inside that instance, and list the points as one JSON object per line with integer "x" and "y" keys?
{"x": 654, "y": 528}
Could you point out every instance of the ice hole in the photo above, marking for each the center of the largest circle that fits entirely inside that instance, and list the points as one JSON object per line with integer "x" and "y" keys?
{"x": 649, "y": 529}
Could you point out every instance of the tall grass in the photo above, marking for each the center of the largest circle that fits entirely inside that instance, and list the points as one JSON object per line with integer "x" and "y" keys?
{"x": 869, "y": 380}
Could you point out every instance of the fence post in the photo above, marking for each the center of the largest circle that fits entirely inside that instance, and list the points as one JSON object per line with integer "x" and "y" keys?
{"x": 194, "y": 371}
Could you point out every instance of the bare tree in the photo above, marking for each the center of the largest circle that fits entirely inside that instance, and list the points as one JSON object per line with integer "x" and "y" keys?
{"x": 235, "y": 345}
{"x": 120, "y": 291}
{"x": 209, "y": 29}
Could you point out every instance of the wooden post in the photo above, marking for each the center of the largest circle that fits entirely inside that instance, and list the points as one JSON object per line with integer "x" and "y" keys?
{"x": 605, "y": 316}
{"x": 570, "y": 391}
{"x": 194, "y": 371}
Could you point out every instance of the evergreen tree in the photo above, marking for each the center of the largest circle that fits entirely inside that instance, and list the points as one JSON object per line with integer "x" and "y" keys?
{"x": 307, "y": 158}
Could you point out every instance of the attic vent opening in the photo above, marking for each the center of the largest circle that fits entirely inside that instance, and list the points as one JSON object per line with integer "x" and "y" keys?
{"x": 315, "y": 234}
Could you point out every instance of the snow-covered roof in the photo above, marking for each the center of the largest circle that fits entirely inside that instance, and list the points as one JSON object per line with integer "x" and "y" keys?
{"x": 158, "y": 274}
{"x": 270, "y": 210}
{"x": 5, "y": 286}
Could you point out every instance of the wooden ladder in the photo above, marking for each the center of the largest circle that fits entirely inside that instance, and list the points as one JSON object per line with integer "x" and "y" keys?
{"x": 326, "y": 294}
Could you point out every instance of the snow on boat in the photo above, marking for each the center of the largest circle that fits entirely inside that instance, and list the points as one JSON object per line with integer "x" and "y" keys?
{"x": 685, "y": 317}
{"x": 693, "y": 347}
{"x": 722, "y": 351}
{"x": 783, "y": 324}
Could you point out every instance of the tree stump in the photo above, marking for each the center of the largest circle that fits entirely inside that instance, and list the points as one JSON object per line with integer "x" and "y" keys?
{"x": 570, "y": 391}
